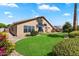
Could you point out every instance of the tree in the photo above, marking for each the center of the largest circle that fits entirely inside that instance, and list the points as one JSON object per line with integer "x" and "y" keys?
{"x": 67, "y": 27}
{"x": 2, "y": 25}
{"x": 9, "y": 25}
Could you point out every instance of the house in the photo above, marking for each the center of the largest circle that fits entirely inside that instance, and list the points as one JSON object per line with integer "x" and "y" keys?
{"x": 39, "y": 24}
{"x": 58, "y": 28}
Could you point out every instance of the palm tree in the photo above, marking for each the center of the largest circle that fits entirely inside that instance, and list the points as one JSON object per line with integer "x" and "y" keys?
{"x": 75, "y": 18}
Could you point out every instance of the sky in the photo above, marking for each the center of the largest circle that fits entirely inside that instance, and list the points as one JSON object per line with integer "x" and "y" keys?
{"x": 56, "y": 13}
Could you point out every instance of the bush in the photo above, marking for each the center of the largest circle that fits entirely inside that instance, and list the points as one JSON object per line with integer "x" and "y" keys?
{"x": 6, "y": 47}
{"x": 68, "y": 47}
{"x": 2, "y": 43}
{"x": 9, "y": 47}
{"x": 2, "y": 37}
{"x": 74, "y": 34}
{"x": 4, "y": 34}
{"x": 34, "y": 33}
{"x": 56, "y": 35}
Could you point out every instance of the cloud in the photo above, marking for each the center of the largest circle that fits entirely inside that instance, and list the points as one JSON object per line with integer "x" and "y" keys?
{"x": 35, "y": 16}
{"x": 48, "y": 7}
{"x": 8, "y": 14}
{"x": 9, "y": 4}
{"x": 66, "y": 14}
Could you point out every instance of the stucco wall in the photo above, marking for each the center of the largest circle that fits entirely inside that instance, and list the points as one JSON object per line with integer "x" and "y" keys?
{"x": 20, "y": 27}
{"x": 49, "y": 28}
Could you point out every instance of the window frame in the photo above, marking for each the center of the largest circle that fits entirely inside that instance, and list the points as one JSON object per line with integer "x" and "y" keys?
{"x": 28, "y": 28}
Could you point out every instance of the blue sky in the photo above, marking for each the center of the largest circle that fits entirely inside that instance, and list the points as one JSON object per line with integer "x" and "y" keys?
{"x": 56, "y": 13}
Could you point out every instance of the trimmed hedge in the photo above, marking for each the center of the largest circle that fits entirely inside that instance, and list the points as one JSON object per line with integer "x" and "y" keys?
{"x": 68, "y": 47}
{"x": 56, "y": 35}
{"x": 74, "y": 34}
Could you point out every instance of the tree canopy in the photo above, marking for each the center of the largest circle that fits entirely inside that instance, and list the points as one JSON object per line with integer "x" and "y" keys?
{"x": 2, "y": 25}
{"x": 67, "y": 27}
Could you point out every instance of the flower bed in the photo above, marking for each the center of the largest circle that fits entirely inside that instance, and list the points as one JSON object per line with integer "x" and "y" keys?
{"x": 6, "y": 47}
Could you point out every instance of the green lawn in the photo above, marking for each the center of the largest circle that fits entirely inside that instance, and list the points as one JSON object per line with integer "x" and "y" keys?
{"x": 37, "y": 45}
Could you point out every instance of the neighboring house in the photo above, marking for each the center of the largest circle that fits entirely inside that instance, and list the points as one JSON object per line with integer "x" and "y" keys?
{"x": 39, "y": 24}
{"x": 58, "y": 28}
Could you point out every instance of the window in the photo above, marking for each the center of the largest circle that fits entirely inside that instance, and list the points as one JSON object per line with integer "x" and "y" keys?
{"x": 28, "y": 28}
{"x": 45, "y": 24}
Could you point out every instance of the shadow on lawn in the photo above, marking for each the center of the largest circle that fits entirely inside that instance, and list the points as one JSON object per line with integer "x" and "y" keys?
{"x": 50, "y": 54}
{"x": 55, "y": 35}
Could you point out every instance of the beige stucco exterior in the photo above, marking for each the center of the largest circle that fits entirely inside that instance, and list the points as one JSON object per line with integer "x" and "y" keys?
{"x": 19, "y": 28}
{"x": 49, "y": 28}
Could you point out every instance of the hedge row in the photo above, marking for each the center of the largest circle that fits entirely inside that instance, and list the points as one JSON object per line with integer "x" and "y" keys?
{"x": 68, "y": 47}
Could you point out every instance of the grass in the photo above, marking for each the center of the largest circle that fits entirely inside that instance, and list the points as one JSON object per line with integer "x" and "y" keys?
{"x": 40, "y": 45}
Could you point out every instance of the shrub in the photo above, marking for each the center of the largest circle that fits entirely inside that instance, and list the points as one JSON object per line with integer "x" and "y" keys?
{"x": 55, "y": 35}
{"x": 68, "y": 47}
{"x": 2, "y": 37}
{"x": 34, "y": 33}
{"x": 2, "y": 43}
{"x": 9, "y": 47}
{"x": 74, "y": 34}
{"x": 6, "y": 47}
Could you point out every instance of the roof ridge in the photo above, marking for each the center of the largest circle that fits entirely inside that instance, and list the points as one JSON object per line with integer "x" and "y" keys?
{"x": 28, "y": 19}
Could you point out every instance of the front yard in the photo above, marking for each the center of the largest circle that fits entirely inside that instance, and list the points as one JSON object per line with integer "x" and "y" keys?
{"x": 40, "y": 45}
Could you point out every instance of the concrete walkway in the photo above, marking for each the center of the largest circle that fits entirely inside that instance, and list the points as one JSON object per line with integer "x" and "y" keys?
{"x": 14, "y": 39}
{"x": 14, "y": 53}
